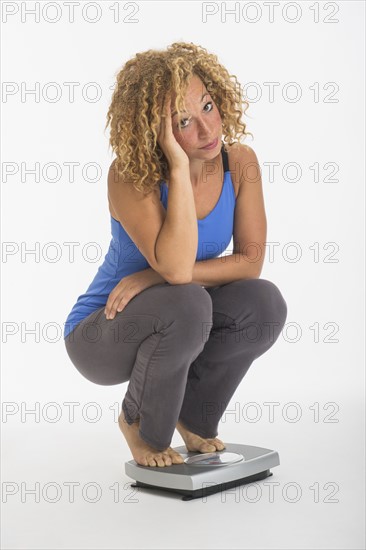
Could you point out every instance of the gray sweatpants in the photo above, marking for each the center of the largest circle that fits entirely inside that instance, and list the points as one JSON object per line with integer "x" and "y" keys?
{"x": 184, "y": 350}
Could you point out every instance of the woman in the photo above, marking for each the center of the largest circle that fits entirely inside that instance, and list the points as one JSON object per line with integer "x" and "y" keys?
{"x": 164, "y": 312}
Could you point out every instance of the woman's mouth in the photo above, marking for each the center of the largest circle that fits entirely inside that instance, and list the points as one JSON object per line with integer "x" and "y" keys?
{"x": 211, "y": 145}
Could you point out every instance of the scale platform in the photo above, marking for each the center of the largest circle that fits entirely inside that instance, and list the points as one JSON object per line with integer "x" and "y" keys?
{"x": 204, "y": 474}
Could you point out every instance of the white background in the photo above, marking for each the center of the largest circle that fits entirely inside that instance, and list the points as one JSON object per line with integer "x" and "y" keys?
{"x": 318, "y": 361}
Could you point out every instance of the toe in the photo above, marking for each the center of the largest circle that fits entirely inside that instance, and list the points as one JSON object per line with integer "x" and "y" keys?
{"x": 160, "y": 462}
{"x": 177, "y": 459}
{"x": 168, "y": 461}
{"x": 219, "y": 445}
{"x": 207, "y": 448}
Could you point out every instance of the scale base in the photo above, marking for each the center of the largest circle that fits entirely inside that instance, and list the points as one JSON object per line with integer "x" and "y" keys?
{"x": 206, "y": 491}
{"x": 233, "y": 466}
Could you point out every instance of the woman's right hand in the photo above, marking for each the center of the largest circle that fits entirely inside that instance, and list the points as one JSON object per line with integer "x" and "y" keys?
{"x": 172, "y": 150}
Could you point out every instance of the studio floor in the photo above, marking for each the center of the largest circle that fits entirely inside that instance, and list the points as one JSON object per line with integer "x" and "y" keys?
{"x": 64, "y": 487}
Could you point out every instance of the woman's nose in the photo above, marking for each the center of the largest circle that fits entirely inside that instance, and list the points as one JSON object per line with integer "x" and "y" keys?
{"x": 204, "y": 129}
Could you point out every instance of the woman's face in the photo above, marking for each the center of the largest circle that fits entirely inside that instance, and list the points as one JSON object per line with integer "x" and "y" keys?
{"x": 200, "y": 125}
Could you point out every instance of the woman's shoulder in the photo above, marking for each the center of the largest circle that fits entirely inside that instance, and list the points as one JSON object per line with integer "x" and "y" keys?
{"x": 240, "y": 149}
{"x": 239, "y": 155}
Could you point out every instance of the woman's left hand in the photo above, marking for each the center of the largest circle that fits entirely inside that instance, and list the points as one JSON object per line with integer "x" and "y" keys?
{"x": 128, "y": 287}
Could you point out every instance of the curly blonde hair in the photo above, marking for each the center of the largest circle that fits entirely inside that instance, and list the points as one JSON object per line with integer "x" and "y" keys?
{"x": 135, "y": 111}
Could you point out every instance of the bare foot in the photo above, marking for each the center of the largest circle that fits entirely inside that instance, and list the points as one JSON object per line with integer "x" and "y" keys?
{"x": 142, "y": 452}
{"x": 195, "y": 442}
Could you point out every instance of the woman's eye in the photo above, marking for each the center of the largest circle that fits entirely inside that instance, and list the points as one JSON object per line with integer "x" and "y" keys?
{"x": 184, "y": 119}
{"x": 180, "y": 124}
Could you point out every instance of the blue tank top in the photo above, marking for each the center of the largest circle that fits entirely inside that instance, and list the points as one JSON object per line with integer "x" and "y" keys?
{"x": 123, "y": 257}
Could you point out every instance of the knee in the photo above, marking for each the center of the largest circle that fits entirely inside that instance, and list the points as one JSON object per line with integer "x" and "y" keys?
{"x": 265, "y": 314}
{"x": 270, "y": 305}
{"x": 259, "y": 300}
{"x": 191, "y": 302}
{"x": 191, "y": 311}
